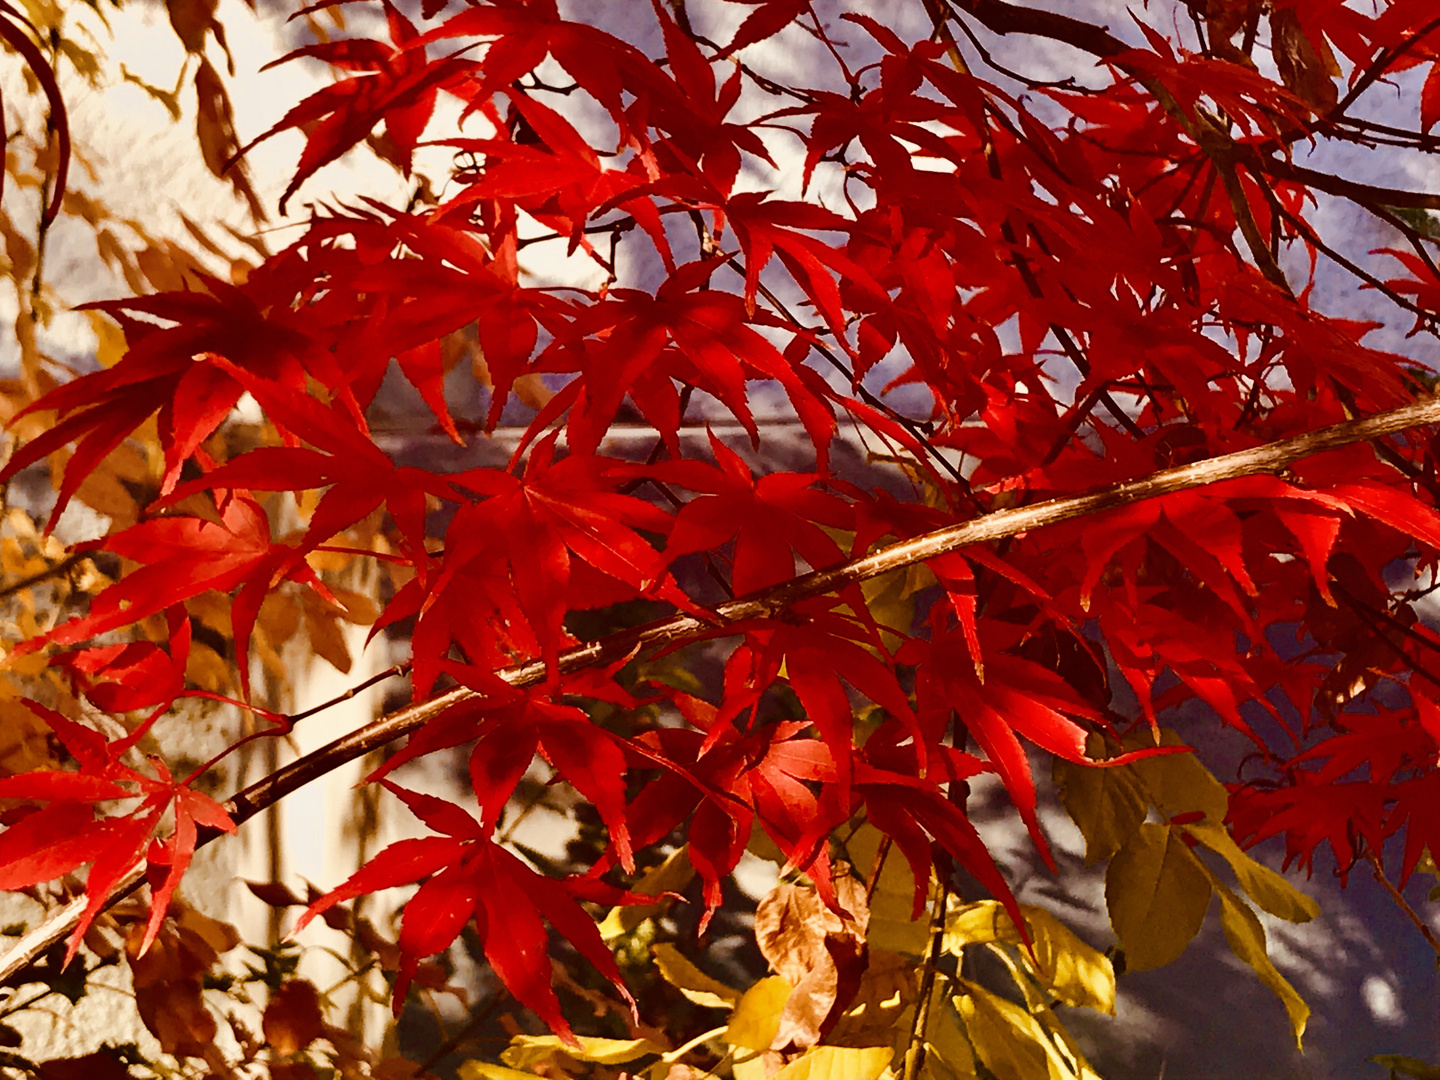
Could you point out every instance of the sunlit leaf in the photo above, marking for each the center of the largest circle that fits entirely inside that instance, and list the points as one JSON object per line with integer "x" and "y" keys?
{"x": 756, "y": 1018}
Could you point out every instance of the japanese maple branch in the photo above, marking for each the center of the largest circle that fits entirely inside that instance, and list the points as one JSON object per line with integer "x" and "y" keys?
{"x": 682, "y": 629}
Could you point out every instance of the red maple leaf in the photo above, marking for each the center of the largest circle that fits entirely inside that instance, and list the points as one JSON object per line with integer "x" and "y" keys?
{"x": 555, "y": 177}
{"x": 690, "y": 107}
{"x": 181, "y": 557}
{"x": 641, "y": 345}
{"x": 399, "y": 85}
{"x": 138, "y": 675}
{"x": 524, "y": 32}
{"x": 66, "y": 834}
{"x": 467, "y": 876}
{"x": 164, "y": 370}
{"x": 771, "y": 518}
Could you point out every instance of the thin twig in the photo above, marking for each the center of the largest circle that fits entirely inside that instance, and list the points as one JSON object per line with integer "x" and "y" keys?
{"x": 464, "y": 1033}
{"x": 915, "y": 1051}
{"x": 393, "y": 671}
{"x": 62, "y": 567}
{"x": 1403, "y": 904}
{"x": 876, "y": 869}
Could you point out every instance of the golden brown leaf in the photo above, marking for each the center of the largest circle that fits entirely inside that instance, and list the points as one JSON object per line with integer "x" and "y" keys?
{"x": 327, "y": 638}
{"x": 292, "y": 1019}
{"x": 168, "y": 987}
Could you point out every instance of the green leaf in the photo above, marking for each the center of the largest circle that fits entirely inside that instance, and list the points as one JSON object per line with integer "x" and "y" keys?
{"x": 1270, "y": 891}
{"x": 1247, "y": 941}
{"x": 1105, "y": 804}
{"x": 526, "y": 1050}
{"x": 676, "y": 969}
{"x": 837, "y": 1063}
{"x": 1157, "y": 892}
{"x": 756, "y": 1020}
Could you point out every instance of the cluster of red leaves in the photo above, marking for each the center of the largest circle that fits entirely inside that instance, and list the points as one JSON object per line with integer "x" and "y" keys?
{"x": 983, "y": 254}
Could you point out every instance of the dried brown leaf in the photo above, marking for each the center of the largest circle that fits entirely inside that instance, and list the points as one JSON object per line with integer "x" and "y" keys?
{"x": 1307, "y": 66}
{"x": 820, "y": 952}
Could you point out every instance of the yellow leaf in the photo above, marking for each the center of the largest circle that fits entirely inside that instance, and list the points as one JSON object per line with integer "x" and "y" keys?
{"x": 756, "y": 1019}
{"x": 108, "y": 488}
{"x": 837, "y": 1063}
{"x": 85, "y": 63}
{"x": 359, "y": 608}
{"x": 207, "y": 669}
{"x": 1178, "y": 783}
{"x": 672, "y": 875}
{"x": 891, "y": 927}
{"x": 1270, "y": 891}
{"x": 887, "y": 989}
{"x": 1006, "y": 1037}
{"x": 326, "y": 637}
{"x": 948, "y": 1053}
{"x": 525, "y": 1050}
{"x": 1157, "y": 892}
{"x": 891, "y": 604}
{"x": 483, "y": 1070}
{"x": 28, "y": 665}
{"x": 1247, "y": 941}
{"x": 700, "y": 988}
{"x": 170, "y": 99}
{"x": 532, "y": 390}
{"x": 978, "y": 924}
{"x": 1073, "y": 971}
{"x": 1070, "y": 969}
{"x": 110, "y": 344}
{"x": 24, "y": 740}
{"x": 752, "y": 1065}
{"x": 1400, "y": 1065}
{"x": 15, "y": 563}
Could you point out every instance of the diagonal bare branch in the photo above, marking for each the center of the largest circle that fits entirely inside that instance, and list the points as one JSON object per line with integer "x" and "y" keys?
{"x": 679, "y": 629}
